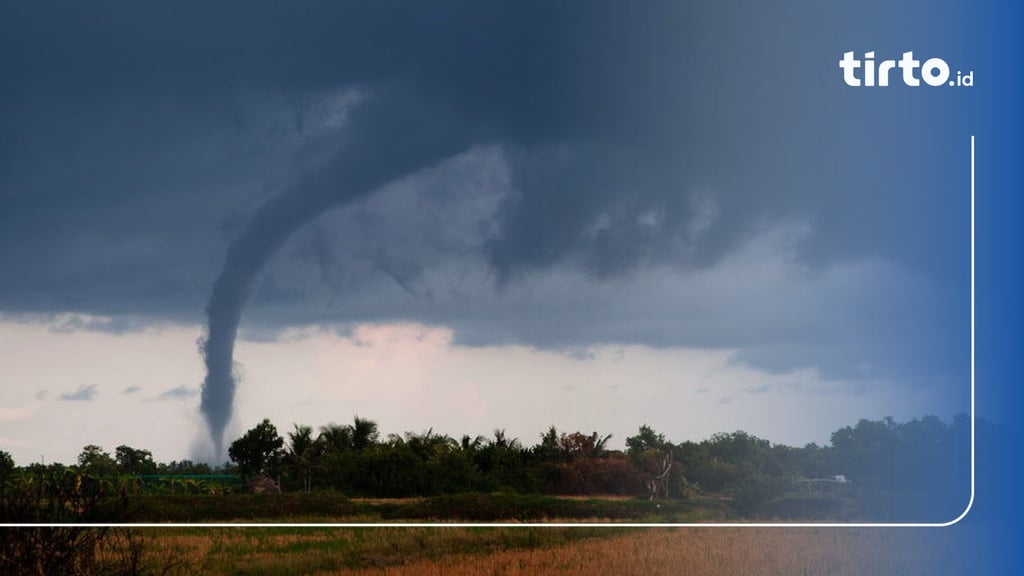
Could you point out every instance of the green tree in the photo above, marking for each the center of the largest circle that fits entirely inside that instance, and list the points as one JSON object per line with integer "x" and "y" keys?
{"x": 258, "y": 451}
{"x": 580, "y": 445}
{"x": 502, "y": 461}
{"x": 645, "y": 439}
{"x": 335, "y": 438}
{"x": 429, "y": 446}
{"x": 94, "y": 460}
{"x": 183, "y": 467}
{"x": 302, "y": 454}
{"x": 549, "y": 450}
{"x": 6, "y": 465}
{"x": 134, "y": 461}
{"x": 6, "y": 471}
{"x": 470, "y": 444}
{"x": 355, "y": 437}
{"x": 364, "y": 433}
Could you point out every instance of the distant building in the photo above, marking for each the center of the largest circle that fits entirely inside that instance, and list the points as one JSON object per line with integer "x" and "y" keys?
{"x": 817, "y": 484}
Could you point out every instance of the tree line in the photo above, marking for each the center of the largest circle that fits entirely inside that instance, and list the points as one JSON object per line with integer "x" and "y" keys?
{"x": 888, "y": 469}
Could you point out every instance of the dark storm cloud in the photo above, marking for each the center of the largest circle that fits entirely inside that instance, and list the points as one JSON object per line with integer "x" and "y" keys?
{"x": 152, "y": 135}
{"x": 84, "y": 393}
{"x": 609, "y": 210}
{"x": 599, "y": 143}
{"x": 397, "y": 132}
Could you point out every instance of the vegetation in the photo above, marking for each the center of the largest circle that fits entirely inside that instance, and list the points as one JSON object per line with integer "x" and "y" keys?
{"x": 875, "y": 471}
{"x": 582, "y": 551}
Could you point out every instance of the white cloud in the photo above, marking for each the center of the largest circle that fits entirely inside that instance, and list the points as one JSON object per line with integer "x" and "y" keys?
{"x": 178, "y": 393}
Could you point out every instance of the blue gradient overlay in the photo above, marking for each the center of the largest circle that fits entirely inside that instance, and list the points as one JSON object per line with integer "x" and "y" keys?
{"x": 997, "y": 510}
{"x": 986, "y": 37}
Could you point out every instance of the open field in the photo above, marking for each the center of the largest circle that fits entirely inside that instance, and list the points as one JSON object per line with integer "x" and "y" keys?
{"x": 512, "y": 551}
{"x": 320, "y": 507}
{"x": 451, "y": 547}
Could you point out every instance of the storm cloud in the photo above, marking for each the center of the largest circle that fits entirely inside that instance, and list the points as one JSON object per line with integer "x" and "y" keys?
{"x": 558, "y": 175}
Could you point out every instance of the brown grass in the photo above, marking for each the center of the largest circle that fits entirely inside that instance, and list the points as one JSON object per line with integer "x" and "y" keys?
{"x": 702, "y": 551}
{"x": 397, "y": 551}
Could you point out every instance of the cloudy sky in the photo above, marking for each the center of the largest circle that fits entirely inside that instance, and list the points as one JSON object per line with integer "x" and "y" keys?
{"x": 463, "y": 216}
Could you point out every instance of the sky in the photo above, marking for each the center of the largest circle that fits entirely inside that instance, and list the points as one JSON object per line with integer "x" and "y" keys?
{"x": 464, "y": 216}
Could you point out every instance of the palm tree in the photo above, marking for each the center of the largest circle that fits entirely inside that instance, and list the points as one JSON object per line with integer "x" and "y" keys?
{"x": 302, "y": 454}
{"x": 336, "y": 438}
{"x": 430, "y": 445}
{"x": 501, "y": 441}
{"x": 599, "y": 443}
{"x": 470, "y": 445}
{"x": 364, "y": 433}
{"x": 358, "y": 436}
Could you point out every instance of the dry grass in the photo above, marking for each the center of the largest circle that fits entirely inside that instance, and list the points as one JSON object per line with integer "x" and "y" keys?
{"x": 706, "y": 552}
{"x": 567, "y": 551}
{"x": 328, "y": 550}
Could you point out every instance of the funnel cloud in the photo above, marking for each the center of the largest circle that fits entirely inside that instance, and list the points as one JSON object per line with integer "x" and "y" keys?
{"x": 393, "y": 133}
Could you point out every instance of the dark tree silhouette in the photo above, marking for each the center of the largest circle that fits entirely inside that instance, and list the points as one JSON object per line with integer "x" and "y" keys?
{"x": 258, "y": 450}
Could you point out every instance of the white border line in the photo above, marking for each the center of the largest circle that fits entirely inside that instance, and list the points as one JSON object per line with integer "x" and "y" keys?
{"x": 970, "y": 503}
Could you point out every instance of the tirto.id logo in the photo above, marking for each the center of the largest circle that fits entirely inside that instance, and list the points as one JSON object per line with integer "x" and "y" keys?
{"x": 933, "y": 71}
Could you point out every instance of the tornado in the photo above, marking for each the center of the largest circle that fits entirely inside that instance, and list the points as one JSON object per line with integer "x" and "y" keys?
{"x": 394, "y": 133}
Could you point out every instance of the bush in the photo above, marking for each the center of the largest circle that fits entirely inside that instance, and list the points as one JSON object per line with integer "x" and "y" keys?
{"x": 802, "y": 507}
{"x": 185, "y": 508}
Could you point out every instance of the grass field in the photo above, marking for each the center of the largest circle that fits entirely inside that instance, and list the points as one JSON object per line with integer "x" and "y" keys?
{"x": 586, "y": 551}
{"x": 327, "y": 506}
{"x": 380, "y": 548}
